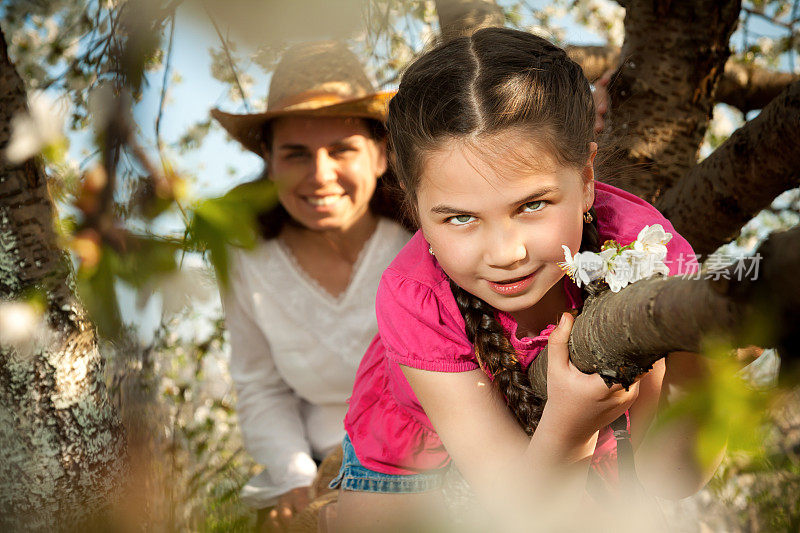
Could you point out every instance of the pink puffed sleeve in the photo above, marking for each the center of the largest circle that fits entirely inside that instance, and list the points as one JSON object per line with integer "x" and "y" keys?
{"x": 420, "y": 325}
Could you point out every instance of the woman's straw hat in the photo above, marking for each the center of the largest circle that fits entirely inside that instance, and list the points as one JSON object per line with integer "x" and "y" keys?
{"x": 321, "y": 79}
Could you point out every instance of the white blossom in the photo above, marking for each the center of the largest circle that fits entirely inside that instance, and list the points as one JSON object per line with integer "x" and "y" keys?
{"x": 179, "y": 289}
{"x": 621, "y": 271}
{"x": 653, "y": 240}
{"x": 585, "y": 267}
{"x": 23, "y": 327}
{"x": 619, "y": 266}
{"x": 34, "y": 131}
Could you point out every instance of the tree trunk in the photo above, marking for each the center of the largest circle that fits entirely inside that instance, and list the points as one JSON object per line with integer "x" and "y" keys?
{"x": 663, "y": 94}
{"x": 61, "y": 444}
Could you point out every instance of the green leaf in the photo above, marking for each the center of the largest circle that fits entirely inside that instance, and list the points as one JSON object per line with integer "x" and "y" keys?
{"x": 99, "y": 296}
{"x": 230, "y": 220}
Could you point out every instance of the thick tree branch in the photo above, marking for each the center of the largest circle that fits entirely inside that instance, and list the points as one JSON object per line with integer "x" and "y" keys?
{"x": 620, "y": 335}
{"x": 750, "y": 87}
{"x": 745, "y": 87}
{"x": 760, "y": 160}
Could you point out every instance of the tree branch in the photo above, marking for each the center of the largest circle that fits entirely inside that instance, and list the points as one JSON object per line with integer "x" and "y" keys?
{"x": 230, "y": 58}
{"x": 750, "y": 87}
{"x": 709, "y": 205}
{"x": 620, "y": 335}
{"x": 165, "y": 84}
{"x": 745, "y": 87}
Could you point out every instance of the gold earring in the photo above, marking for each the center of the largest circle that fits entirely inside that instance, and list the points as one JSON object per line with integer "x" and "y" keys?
{"x": 430, "y": 250}
{"x": 587, "y": 217}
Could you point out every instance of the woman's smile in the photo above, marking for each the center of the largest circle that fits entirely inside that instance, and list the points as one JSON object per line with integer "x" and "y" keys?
{"x": 325, "y": 202}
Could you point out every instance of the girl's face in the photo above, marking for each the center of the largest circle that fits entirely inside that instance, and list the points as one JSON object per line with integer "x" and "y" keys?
{"x": 325, "y": 168}
{"x": 497, "y": 228}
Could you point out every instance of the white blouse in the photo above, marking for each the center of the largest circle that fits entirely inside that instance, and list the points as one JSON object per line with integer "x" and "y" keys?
{"x": 295, "y": 350}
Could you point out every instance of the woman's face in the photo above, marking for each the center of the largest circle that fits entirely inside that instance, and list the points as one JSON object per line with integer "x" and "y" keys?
{"x": 497, "y": 228}
{"x": 326, "y": 169}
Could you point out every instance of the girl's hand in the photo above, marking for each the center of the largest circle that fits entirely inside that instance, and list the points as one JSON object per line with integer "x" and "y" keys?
{"x": 579, "y": 404}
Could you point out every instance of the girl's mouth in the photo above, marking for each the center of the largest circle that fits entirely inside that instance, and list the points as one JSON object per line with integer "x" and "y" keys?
{"x": 512, "y": 286}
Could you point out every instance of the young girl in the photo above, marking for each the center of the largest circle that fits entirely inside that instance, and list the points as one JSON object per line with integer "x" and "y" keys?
{"x": 493, "y": 139}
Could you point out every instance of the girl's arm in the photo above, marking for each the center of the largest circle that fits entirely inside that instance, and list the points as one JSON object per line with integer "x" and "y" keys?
{"x": 666, "y": 460}
{"x": 514, "y": 474}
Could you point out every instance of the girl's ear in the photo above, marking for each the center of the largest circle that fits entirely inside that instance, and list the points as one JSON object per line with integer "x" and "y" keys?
{"x": 588, "y": 178}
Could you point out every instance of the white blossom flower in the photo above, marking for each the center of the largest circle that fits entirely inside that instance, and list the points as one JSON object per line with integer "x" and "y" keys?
{"x": 621, "y": 271}
{"x": 33, "y": 132}
{"x": 653, "y": 240}
{"x": 23, "y": 327}
{"x": 184, "y": 288}
{"x": 620, "y": 265}
{"x": 646, "y": 265}
{"x": 568, "y": 264}
{"x": 585, "y": 267}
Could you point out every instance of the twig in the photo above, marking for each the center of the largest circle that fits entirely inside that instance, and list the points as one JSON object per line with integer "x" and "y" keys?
{"x": 153, "y": 171}
{"x": 761, "y": 14}
{"x": 230, "y": 58}
{"x": 164, "y": 85}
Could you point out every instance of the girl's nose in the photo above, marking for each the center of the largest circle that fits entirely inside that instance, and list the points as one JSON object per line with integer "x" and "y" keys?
{"x": 324, "y": 167}
{"x": 505, "y": 249}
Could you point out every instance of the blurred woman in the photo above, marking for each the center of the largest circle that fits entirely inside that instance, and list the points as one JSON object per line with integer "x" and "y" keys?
{"x": 300, "y": 306}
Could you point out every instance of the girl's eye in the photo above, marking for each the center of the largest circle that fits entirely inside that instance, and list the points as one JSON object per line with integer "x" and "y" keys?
{"x": 460, "y": 220}
{"x": 294, "y": 156}
{"x": 531, "y": 207}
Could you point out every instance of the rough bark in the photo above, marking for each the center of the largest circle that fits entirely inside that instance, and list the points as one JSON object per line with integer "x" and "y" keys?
{"x": 462, "y": 17}
{"x": 663, "y": 94}
{"x": 61, "y": 446}
{"x": 620, "y": 335}
{"x": 750, "y": 87}
{"x": 746, "y": 87}
{"x": 759, "y": 161}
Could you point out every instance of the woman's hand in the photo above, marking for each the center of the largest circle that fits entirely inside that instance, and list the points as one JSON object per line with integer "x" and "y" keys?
{"x": 288, "y": 506}
{"x": 579, "y": 404}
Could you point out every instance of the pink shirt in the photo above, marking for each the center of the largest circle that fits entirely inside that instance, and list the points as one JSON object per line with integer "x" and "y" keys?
{"x": 419, "y": 325}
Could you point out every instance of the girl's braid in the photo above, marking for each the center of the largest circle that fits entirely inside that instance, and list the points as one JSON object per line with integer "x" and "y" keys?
{"x": 494, "y": 351}
{"x": 498, "y": 357}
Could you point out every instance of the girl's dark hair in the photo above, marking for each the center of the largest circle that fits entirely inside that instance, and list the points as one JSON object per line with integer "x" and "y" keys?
{"x": 386, "y": 201}
{"x": 470, "y": 89}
